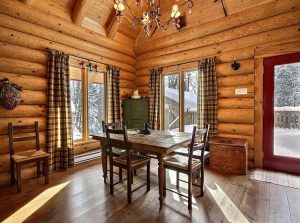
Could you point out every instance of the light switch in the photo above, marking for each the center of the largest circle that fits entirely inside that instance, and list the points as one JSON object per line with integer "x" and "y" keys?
{"x": 241, "y": 91}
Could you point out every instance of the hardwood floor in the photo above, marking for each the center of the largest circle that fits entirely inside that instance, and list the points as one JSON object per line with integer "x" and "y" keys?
{"x": 284, "y": 179}
{"x": 79, "y": 195}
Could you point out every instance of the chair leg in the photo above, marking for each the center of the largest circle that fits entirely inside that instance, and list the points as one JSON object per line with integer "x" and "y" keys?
{"x": 105, "y": 168}
{"x": 165, "y": 183}
{"x": 18, "y": 169}
{"x": 177, "y": 180}
{"x": 46, "y": 170}
{"x": 135, "y": 172}
{"x": 148, "y": 176}
{"x": 38, "y": 168}
{"x": 12, "y": 172}
{"x": 120, "y": 174}
{"x": 132, "y": 174}
{"x": 202, "y": 180}
{"x": 111, "y": 177}
{"x": 129, "y": 182}
{"x": 190, "y": 181}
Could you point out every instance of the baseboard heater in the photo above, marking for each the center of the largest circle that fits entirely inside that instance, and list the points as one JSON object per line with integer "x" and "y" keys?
{"x": 88, "y": 156}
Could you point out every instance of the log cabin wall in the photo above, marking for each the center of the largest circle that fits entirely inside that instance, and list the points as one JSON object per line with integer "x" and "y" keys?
{"x": 273, "y": 27}
{"x": 25, "y": 33}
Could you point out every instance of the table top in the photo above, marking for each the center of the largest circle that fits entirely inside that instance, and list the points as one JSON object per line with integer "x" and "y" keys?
{"x": 160, "y": 139}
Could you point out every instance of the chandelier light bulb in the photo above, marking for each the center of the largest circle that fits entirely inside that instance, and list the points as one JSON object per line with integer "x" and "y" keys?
{"x": 175, "y": 11}
{"x": 119, "y": 6}
{"x": 145, "y": 18}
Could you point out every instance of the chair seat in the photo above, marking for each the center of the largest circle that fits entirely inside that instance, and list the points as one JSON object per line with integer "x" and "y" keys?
{"x": 116, "y": 151}
{"x": 180, "y": 162}
{"x": 29, "y": 155}
{"x": 135, "y": 159}
{"x": 196, "y": 154}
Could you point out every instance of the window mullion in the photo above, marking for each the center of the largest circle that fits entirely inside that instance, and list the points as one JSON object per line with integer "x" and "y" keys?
{"x": 181, "y": 101}
{"x": 85, "y": 104}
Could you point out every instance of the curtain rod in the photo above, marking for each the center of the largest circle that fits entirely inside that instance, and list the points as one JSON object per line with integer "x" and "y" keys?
{"x": 182, "y": 63}
{"x": 192, "y": 61}
{"x": 48, "y": 49}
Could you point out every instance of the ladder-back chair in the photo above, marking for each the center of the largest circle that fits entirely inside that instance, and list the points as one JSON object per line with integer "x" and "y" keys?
{"x": 130, "y": 161}
{"x": 20, "y": 158}
{"x": 188, "y": 165}
{"x": 116, "y": 152}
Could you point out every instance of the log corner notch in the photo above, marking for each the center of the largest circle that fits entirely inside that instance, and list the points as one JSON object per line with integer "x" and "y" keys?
{"x": 79, "y": 11}
{"x": 112, "y": 24}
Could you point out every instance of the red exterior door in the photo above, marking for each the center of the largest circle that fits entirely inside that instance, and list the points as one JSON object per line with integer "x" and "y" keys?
{"x": 281, "y": 141}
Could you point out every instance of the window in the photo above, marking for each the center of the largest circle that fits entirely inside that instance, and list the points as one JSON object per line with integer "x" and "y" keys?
{"x": 190, "y": 99}
{"x": 95, "y": 102}
{"x": 87, "y": 102}
{"x": 171, "y": 102}
{"x": 76, "y": 102}
{"x": 179, "y": 99}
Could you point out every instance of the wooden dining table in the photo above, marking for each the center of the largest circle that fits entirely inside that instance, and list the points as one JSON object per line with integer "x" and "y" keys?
{"x": 159, "y": 143}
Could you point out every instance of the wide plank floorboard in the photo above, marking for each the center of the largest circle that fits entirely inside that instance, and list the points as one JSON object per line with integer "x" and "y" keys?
{"x": 80, "y": 195}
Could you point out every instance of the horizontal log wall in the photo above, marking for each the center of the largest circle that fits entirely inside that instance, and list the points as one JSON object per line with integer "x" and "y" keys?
{"x": 24, "y": 36}
{"x": 233, "y": 38}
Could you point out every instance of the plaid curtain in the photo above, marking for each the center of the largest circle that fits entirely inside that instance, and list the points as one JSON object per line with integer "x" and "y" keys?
{"x": 207, "y": 95}
{"x": 59, "y": 140}
{"x": 113, "y": 94}
{"x": 154, "y": 98}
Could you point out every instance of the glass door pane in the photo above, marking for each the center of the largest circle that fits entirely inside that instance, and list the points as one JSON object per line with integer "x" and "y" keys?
{"x": 190, "y": 100}
{"x": 287, "y": 110}
{"x": 96, "y": 102}
{"x": 171, "y": 102}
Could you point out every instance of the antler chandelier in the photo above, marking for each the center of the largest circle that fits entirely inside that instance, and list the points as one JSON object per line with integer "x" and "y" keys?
{"x": 150, "y": 20}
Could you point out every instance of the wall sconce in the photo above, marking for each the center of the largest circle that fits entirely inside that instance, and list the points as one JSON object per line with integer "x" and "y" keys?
{"x": 235, "y": 65}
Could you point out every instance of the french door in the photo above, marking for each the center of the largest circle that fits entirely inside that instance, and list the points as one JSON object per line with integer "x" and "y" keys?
{"x": 281, "y": 141}
{"x": 179, "y": 99}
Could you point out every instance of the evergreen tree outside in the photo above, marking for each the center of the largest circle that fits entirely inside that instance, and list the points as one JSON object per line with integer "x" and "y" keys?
{"x": 286, "y": 84}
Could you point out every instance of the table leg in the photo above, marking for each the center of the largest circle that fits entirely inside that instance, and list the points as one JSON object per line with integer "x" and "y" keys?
{"x": 104, "y": 164}
{"x": 160, "y": 178}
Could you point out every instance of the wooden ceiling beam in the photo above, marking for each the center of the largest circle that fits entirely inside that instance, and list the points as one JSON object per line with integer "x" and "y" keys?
{"x": 79, "y": 11}
{"x": 112, "y": 24}
{"x": 113, "y": 27}
{"x": 28, "y": 2}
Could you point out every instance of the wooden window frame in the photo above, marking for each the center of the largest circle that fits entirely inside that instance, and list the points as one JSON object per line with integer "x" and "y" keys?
{"x": 180, "y": 70}
{"x": 74, "y": 62}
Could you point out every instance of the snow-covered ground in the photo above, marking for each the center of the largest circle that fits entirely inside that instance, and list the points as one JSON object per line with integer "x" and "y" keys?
{"x": 287, "y": 142}
{"x": 187, "y": 128}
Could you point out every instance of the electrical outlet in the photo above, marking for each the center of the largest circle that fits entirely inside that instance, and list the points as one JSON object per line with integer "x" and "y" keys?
{"x": 241, "y": 91}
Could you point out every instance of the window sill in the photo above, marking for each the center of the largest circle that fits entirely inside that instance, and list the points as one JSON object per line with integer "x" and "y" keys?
{"x": 81, "y": 142}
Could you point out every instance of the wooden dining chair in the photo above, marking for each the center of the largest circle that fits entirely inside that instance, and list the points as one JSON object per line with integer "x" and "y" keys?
{"x": 18, "y": 159}
{"x": 188, "y": 165}
{"x": 116, "y": 152}
{"x": 130, "y": 161}
{"x": 203, "y": 144}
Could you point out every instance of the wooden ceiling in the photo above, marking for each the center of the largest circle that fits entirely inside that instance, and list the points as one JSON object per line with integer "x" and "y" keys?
{"x": 99, "y": 16}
